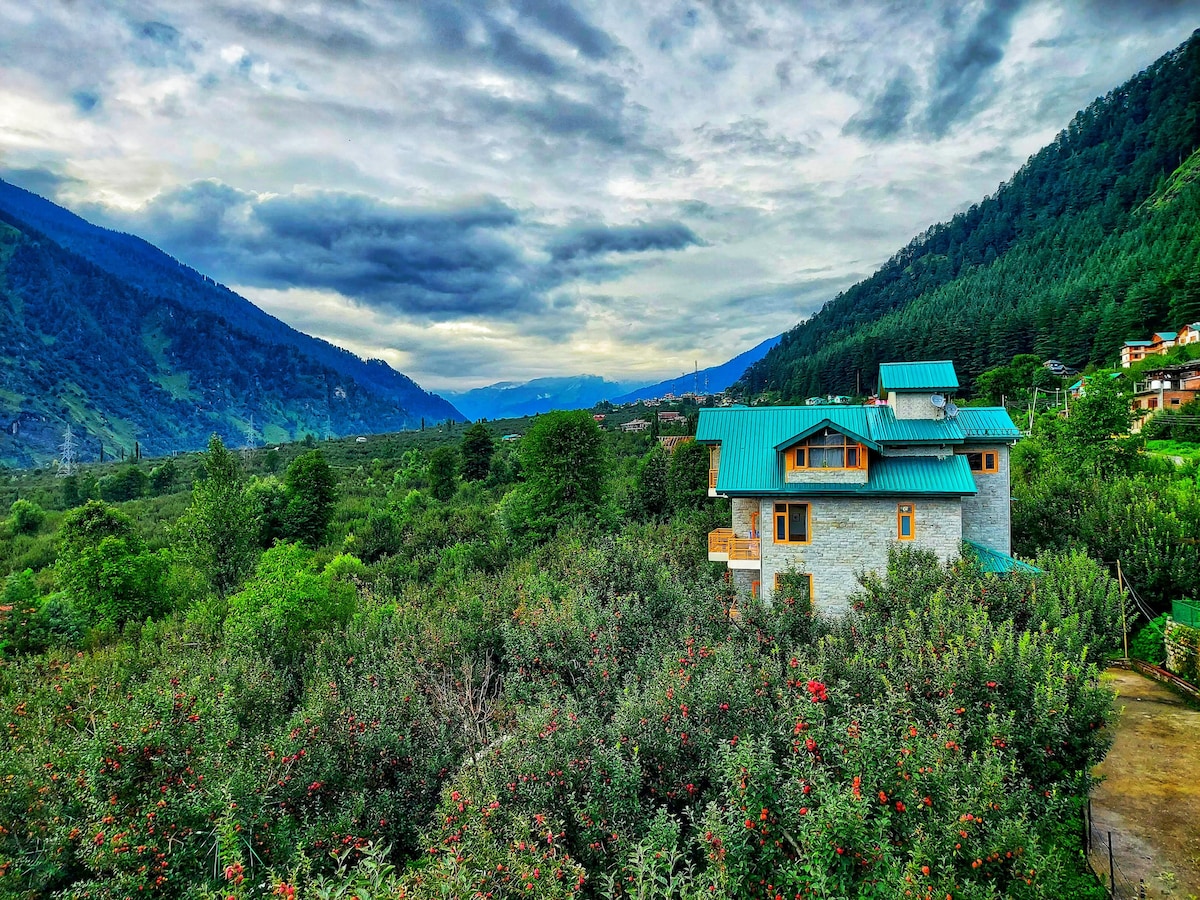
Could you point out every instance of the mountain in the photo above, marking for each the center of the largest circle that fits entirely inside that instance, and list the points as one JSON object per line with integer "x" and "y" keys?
{"x": 106, "y": 332}
{"x": 508, "y": 399}
{"x": 1095, "y": 240}
{"x": 712, "y": 380}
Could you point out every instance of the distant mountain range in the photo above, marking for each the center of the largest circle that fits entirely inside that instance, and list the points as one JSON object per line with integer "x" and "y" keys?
{"x": 712, "y": 380}
{"x": 1094, "y": 241}
{"x": 509, "y": 399}
{"x": 106, "y": 332}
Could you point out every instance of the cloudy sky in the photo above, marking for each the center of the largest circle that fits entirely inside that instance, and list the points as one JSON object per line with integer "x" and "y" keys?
{"x": 506, "y": 189}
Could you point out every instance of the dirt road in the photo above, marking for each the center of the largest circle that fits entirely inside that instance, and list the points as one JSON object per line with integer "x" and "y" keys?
{"x": 1150, "y": 798}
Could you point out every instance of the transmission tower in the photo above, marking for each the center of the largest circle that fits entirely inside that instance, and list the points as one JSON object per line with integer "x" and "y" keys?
{"x": 67, "y": 454}
{"x": 251, "y": 440}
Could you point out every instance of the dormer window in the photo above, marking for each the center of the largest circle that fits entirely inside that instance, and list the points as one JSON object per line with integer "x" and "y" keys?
{"x": 827, "y": 450}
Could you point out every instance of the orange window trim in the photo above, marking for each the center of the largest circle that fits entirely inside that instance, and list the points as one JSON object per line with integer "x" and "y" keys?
{"x": 906, "y": 511}
{"x": 989, "y": 461}
{"x": 784, "y": 517}
{"x": 778, "y": 575}
{"x": 797, "y": 458}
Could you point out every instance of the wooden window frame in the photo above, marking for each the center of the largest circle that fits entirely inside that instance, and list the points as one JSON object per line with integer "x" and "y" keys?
{"x": 984, "y": 468}
{"x": 911, "y": 515}
{"x": 775, "y": 590}
{"x": 777, "y": 515}
{"x": 755, "y": 589}
{"x": 797, "y": 457}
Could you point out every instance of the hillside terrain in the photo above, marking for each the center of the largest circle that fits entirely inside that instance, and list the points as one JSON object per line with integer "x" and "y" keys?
{"x": 712, "y": 380}
{"x": 508, "y": 399}
{"x": 1095, "y": 240}
{"x": 106, "y": 332}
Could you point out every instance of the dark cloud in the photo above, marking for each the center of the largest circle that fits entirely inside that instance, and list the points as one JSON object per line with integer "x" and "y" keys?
{"x": 40, "y": 180}
{"x": 431, "y": 262}
{"x": 749, "y": 135}
{"x": 1139, "y": 10}
{"x": 594, "y": 240}
{"x": 567, "y": 23}
{"x": 885, "y": 115}
{"x": 322, "y": 33}
{"x": 85, "y": 101}
{"x": 959, "y": 73}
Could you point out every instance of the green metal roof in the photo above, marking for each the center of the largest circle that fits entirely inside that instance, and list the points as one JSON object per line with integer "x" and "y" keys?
{"x": 918, "y": 376}
{"x": 887, "y": 429}
{"x": 751, "y": 438}
{"x": 1166, "y": 335}
{"x": 981, "y": 424}
{"x": 993, "y": 562}
{"x": 1138, "y": 343}
{"x": 841, "y": 425}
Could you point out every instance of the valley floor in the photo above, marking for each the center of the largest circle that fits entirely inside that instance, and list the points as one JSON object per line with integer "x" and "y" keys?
{"x": 1150, "y": 796}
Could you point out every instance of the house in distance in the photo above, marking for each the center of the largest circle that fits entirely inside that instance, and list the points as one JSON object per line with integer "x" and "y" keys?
{"x": 825, "y": 490}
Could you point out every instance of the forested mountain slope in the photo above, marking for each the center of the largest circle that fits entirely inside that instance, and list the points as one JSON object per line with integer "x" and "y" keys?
{"x": 1096, "y": 239}
{"x": 125, "y": 362}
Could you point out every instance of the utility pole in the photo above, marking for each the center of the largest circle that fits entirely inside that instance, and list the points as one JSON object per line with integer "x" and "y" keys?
{"x": 68, "y": 456}
{"x": 1124, "y": 629}
{"x": 251, "y": 441}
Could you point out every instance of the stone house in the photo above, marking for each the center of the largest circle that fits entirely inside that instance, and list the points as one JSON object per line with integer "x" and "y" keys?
{"x": 825, "y": 490}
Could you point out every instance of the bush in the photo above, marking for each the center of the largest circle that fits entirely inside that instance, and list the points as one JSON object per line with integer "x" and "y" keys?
{"x": 27, "y": 517}
{"x": 1148, "y": 644}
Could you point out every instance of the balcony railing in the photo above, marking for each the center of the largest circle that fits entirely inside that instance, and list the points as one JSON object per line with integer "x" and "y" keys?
{"x": 744, "y": 548}
{"x": 723, "y": 540}
{"x": 712, "y": 478}
{"x": 719, "y": 540}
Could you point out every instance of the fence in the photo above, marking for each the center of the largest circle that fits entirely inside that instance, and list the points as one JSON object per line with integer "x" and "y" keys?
{"x": 1112, "y": 856}
{"x": 1186, "y": 612}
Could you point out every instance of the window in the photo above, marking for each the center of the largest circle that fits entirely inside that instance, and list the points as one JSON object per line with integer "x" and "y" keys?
{"x": 779, "y": 583}
{"x": 906, "y": 522}
{"x": 829, "y": 450}
{"x": 984, "y": 461}
{"x": 1174, "y": 401}
{"x": 1152, "y": 403}
{"x": 754, "y": 588}
{"x": 791, "y": 523}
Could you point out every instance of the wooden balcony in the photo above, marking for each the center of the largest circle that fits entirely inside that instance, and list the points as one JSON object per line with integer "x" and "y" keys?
{"x": 738, "y": 552}
{"x": 712, "y": 482}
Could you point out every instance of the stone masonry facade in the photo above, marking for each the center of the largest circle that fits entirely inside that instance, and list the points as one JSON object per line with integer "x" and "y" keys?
{"x": 987, "y": 516}
{"x": 849, "y": 536}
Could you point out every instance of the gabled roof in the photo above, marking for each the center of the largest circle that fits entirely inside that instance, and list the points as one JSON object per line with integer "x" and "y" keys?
{"x": 933, "y": 376}
{"x": 1166, "y": 335}
{"x": 1139, "y": 343}
{"x": 993, "y": 562}
{"x": 987, "y": 423}
{"x": 827, "y": 422}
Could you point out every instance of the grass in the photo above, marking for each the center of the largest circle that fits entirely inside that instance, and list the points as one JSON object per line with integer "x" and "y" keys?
{"x": 1186, "y": 449}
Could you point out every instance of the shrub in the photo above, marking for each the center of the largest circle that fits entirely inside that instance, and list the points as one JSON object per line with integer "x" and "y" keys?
{"x": 27, "y": 517}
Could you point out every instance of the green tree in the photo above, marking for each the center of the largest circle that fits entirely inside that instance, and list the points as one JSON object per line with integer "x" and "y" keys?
{"x": 70, "y": 492}
{"x": 652, "y": 499}
{"x": 27, "y": 516}
{"x": 565, "y": 462}
{"x": 218, "y": 532}
{"x": 1096, "y": 433}
{"x": 443, "y": 464}
{"x": 311, "y": 491}
{"x": 687, "y": 476}
{"x": 105, "y": 568}
{"x": 268, "y": 503}
{"x": 477, "y": 450}
{"x": 163, "y": 476}
{"x": 128, "y": 483}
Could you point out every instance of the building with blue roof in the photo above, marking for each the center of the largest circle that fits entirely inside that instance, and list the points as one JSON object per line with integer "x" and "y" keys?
{"x": 826, "y": 489}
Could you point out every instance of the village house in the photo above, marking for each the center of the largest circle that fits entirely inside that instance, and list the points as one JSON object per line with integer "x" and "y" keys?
{"x": 1167, "y": 388}
{"x": 825, "y": 490}
{"x": 1160, "y": 343}
{"x": 635, "y": 425}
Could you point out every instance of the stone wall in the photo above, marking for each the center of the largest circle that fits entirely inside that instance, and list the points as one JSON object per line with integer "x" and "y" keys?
{"x": 850, "y": 535}
{"x": 987, "y": 516}
{"x": 1183, "y": 652}
{"x": 912, "y": 406}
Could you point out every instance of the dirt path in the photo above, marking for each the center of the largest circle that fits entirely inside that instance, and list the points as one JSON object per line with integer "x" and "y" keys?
{"x": 1150, "y": 798}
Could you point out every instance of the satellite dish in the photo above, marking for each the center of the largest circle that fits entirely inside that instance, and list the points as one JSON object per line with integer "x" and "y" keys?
{"x": 938, "y": 401}
{"x": 951, "y": 410}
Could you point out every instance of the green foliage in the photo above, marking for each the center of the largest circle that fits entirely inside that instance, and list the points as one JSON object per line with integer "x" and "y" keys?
{"x": 291, "y": 597}
{"x": 310, "y": 489}
{"x": 477, "y": 449}
{"x": 687, "y": 477}
{"x": 652, "y": 499}
{"x": 1148, "y": 644}
{"x": 164, "y": 476}
{"x": 1096, "y": 434}
{"x": 128, "y": 483}
{"x": 218, "y": 533}
{"x": 443, "y": 468}
{"x": 105, "y": 569}
{"x": 27, "y": 517}
{"x": 1015, "y": 381}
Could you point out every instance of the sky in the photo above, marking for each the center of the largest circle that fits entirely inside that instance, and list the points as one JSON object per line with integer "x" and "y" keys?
{"x": 491, "y": 190}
